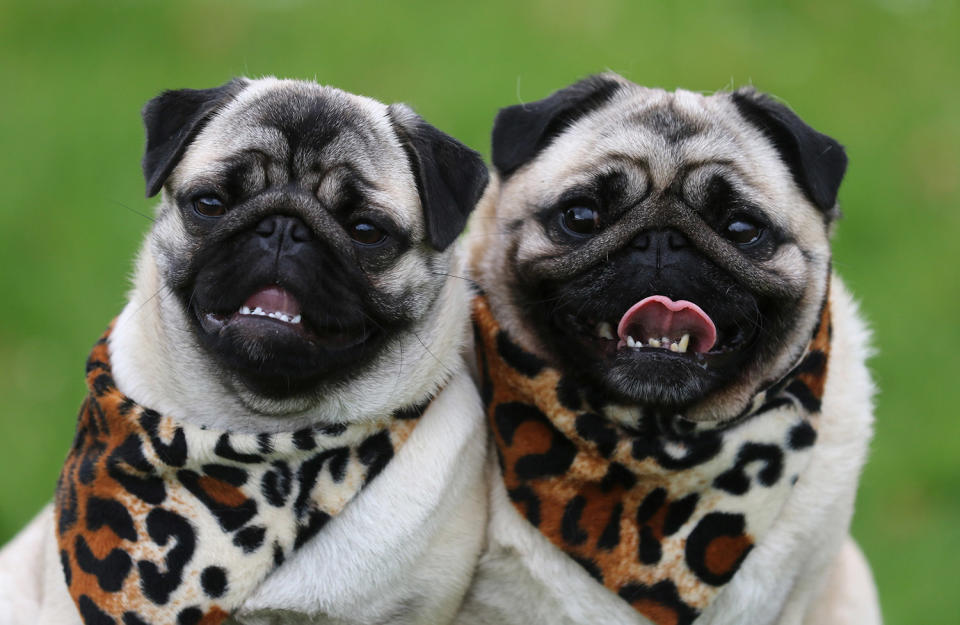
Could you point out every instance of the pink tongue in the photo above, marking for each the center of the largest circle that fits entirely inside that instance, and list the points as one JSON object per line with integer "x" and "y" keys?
{"x": 274, "y": 299}
{"x": 658, "y": 316}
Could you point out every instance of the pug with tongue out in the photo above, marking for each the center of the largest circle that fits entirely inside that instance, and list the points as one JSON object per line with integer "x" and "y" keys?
{"x": 674, "y": 381}
{"x": 280, "y": 426}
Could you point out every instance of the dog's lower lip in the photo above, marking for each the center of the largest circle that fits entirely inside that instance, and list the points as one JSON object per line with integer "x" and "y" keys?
{"x": 214, "y": 323}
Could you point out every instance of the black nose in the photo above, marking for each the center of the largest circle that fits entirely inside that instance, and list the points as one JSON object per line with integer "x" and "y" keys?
{"x": 286, "y": 229}
{"x": 662, "y": 239}
{"x": 659, "y": 248}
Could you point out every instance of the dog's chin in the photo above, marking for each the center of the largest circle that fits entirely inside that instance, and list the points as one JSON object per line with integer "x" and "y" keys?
{"x": 657, "y": 378}
{"x": 279, "y": 356}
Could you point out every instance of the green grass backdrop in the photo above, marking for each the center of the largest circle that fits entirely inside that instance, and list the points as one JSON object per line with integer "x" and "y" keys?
{"x": 882, "y": 76}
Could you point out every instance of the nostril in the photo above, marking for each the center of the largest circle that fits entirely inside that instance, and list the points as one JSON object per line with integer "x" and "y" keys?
{"x": 641, "y": 241}
{"x": 676, "y": 240}
{"x": 267, "y": 226}
{"x": 285, "y": 227}
{"x": 299, "y": 231}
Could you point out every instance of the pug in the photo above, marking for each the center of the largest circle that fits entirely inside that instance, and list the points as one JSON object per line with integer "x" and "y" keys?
{"x": 280, "y": 426}
{"x": 674, "y": 378}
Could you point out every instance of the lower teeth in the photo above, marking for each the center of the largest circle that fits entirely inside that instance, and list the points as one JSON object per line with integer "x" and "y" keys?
{"x": 279, "y": 316}
{"x": 604, "y": 330}
{"x": 679, "y": 345}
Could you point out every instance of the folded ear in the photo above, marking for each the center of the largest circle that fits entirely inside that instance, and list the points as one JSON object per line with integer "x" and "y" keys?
{"x": 450, "y": 176}
{"x": 172, "y": 120}
{"x": 522, "y": 131}
{"x": 816, "y": 161}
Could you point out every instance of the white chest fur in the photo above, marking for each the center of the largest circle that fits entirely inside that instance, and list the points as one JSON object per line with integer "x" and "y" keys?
{"x": 404, "y": 550}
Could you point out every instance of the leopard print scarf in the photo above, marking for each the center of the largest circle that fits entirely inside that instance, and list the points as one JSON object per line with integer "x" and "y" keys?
{"x": 159, "y": 521}
{"x": 662, "y": 514}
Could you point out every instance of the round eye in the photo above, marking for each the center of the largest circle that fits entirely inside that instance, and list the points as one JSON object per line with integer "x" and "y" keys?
{"x": 742, "y": 232}
{"x": 209, "y": 206}
{"x": 579, "y": 220}
{"x": 365, "y": 233}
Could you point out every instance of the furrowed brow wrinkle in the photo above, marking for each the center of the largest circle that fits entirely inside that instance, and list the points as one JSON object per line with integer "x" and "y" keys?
{"x": 244, "y": 178}
{"x": 343, "y": 175}
{"x": 631, "y": 161}
{"x": 354, "y": 172}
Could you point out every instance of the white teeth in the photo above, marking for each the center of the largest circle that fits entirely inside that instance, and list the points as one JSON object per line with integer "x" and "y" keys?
{"x": 604, "y": 330}
{"x": 679, "y": 345}
{"x": 279, "y": 316}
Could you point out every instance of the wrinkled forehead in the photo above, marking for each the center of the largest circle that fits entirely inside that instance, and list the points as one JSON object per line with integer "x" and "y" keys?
{"x": 308, "y": 130}
{"x": 660, "y": 140}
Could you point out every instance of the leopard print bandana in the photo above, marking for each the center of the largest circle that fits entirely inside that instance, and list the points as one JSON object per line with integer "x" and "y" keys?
{"x": 662, "y": 514}
{"x": 159, "y": 521}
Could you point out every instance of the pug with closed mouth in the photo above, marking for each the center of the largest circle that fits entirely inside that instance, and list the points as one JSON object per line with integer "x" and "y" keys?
{"x": 279, "y": 427}
{"x": 674, "y": 379}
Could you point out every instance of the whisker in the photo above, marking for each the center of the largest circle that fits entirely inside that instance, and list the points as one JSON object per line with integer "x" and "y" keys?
{"x": 446, "y": 369}
{"x": 450, "y": 275}
{"x": 133, "y": 210}
{"x": 396, "y": 381}
{"x": 149, "y": 299}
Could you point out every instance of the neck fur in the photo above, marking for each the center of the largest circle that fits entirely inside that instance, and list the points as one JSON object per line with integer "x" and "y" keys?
{"x": 662, "y": 513}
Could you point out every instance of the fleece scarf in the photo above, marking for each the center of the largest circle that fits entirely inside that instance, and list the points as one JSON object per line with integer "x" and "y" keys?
{"x": 160, "y": 522}
{"x": 662, "y": 513}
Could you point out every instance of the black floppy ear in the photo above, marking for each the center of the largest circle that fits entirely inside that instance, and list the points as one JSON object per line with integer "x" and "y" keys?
{"x": 522, "y": 131}
{"x": 450, "y": 176}
{"x": 816, "y": 161}
{"x": 172, "y": 120}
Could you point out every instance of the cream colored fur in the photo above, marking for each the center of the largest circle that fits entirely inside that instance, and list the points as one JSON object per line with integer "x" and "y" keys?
{"x": 524, "y": 578}
{"x": 403, "y": 551}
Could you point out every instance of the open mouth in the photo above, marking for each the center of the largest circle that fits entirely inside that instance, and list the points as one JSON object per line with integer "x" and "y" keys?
{"x": 660, "y": 326}
{"x": 273, "y": 311}
{"x": 657, "y": 322}
{"x": 271, "y": 303}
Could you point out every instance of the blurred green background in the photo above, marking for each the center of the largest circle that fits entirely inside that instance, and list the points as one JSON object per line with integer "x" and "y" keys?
{"x": 882, "y": 76}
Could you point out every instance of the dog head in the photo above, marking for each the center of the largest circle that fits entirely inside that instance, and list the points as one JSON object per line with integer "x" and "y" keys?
{"x": 671, "y": 248}
{"x": 304, "y": 238}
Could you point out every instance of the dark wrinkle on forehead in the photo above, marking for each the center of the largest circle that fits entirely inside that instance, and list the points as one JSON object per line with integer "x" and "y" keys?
{"x": 719, "y": 200}
{"x": 246, "y": 174}
{"x": 667, "y": 122}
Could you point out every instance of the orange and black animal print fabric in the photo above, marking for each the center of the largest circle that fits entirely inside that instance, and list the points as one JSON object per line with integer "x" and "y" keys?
{"x": 662, "y": 514}
{"x": 162, "y": 522}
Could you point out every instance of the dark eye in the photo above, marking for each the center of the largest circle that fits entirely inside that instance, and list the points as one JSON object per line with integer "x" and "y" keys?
{"x": 579, "y": 220}
{"x": 209, "y": 206}
{"x": 365, "y": 233}
{"x": 743, "y": 232}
